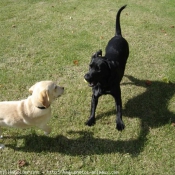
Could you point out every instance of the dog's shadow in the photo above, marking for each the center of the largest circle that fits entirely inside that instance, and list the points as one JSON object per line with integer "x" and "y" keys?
{"x": 151, "y": 107}
{"x": 85, "y": 144}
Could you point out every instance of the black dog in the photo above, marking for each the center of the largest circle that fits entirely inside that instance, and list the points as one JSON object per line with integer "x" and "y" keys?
{"x": 106, "y": 72}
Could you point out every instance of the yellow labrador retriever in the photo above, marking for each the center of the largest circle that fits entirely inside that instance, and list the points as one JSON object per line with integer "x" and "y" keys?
{"x": 33, "y": 111}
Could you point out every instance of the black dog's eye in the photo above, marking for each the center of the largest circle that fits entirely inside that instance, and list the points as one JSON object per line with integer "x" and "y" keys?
{"x": 90, "y": 66}
{"x": 97, "y": 68}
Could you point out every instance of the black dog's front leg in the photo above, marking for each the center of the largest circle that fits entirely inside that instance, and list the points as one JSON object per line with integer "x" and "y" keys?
{"x": 118, "y": 102}
{"x": 94, "y": 102}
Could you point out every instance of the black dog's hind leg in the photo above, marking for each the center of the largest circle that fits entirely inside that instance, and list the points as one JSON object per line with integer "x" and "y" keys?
{"x": 94, "y": 102}
{"x": 119, "y": 122}
{"x": 118, "y": 103}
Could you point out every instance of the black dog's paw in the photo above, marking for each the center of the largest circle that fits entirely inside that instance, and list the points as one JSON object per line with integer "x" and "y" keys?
{"x": 90, "y": 122}
{"x": 120, "y": 126}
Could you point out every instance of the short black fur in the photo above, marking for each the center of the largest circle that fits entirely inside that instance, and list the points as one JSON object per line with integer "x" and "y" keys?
{"x": 106, "y": 72}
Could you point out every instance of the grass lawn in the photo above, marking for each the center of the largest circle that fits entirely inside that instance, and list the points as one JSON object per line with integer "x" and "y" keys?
{"x": 54, "y": 40}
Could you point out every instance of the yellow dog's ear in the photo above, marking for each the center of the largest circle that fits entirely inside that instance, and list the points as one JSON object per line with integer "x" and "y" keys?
{"x": 44, "y": 98}
{"x": 31, "y": 89}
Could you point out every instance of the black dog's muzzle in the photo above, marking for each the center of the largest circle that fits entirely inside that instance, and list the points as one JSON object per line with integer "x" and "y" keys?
{"x": 88, "y": 78}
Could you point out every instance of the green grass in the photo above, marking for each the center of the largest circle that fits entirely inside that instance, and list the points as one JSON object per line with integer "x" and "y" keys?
{"x": 40, "y": 40}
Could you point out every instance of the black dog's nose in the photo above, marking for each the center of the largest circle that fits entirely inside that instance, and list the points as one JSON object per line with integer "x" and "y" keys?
{"x": 86, "y": 77}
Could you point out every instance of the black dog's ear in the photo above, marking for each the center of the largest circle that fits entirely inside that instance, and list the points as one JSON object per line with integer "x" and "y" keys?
{"x": 97, "y": 54}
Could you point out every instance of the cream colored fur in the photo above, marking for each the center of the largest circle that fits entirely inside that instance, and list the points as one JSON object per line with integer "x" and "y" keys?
{"x": 25, "y": 113}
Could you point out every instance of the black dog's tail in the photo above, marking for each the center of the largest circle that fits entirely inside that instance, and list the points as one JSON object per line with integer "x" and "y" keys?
{"x": 118, "y": 28}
